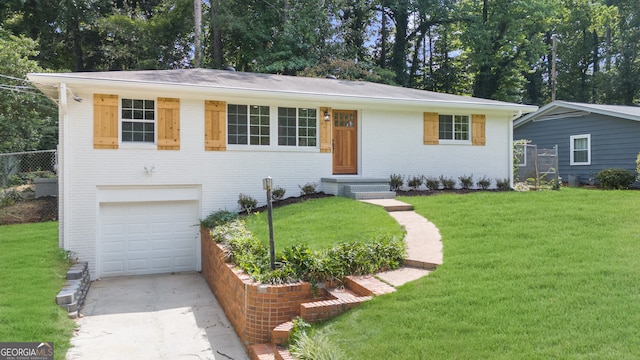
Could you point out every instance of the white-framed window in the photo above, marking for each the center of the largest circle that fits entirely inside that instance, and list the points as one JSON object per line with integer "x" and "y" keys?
{"x": 580, "y": 149}
{"x": 138, "y": 120}
{"x": 297, "y": 126}
{"x": 454, "y": 127}
{"x": 520, "y": 155}
{"x": 248, "y": 124}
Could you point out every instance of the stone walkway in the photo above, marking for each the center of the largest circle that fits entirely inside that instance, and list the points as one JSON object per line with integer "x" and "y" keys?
{"x": 424, "y": 243}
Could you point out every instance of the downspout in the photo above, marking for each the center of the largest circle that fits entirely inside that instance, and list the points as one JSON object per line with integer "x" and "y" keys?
{"x": 63, "y": 169}
{"x": 514, "y": 117}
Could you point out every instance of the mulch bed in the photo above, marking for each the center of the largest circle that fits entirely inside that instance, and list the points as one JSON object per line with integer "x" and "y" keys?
{"x": 291, "y": 200}
{"x": 30, "y": 211}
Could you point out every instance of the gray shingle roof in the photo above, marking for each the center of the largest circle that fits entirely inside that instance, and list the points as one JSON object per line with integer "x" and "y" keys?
{"x": 222, "y": 79}
{"x": 560, "y": 109}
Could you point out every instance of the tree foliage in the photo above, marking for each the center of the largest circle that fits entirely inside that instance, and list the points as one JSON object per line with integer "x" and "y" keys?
{"x": 28, "y": 121}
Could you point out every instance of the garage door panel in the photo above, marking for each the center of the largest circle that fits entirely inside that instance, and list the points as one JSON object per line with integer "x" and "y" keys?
{"x": 147, "y": 238}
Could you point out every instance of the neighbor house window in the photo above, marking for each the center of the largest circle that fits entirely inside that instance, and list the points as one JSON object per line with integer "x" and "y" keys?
{"x": 138, "y": 120}
{"x": 580, "y": 149}
{"x": 248, "y": 124}
{"x": 453, "y": 127}
{"x": 297, "y": 127}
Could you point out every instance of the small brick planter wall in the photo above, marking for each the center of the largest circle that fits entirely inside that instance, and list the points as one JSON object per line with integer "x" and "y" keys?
{"x": 253, "y": 309}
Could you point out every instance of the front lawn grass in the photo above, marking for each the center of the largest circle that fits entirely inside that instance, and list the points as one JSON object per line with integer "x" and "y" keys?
{"x": 534, "y": 275}
{"x": 32, "y": 272}
{"x": 321, "y": 223}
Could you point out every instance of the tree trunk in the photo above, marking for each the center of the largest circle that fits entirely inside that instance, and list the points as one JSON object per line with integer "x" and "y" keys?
{"x": 217, "y": 37}
{"x": 197, "y": 33}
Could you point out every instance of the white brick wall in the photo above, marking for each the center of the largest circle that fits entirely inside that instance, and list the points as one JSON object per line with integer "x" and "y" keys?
{"x": 389, "y": 142}
{"x": 393, "y": 143}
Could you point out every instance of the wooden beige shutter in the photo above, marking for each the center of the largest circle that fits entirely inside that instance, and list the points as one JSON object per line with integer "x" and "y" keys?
{"x": 215, "y": 125}
{"x": 430, "y": 128}
{"x": 105, "y": 121}
{"x": 325, "y": 130}
{"x": 478, "y": 131}
{"x": 168, "y": 124}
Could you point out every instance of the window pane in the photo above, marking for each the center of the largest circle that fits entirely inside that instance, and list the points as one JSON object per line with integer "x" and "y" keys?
{"x": 259, "y": 125}
{"x": 445, "y": 127}
{"x": 461, "y": 127}
{"x": 141, "y": 120}
{"x": 237, "y": 124}
{"x": 580, "y": 144}
{"x": 286, "y": 126}
{"x": 580, "y": 156}
{"x": 307, "y": 119}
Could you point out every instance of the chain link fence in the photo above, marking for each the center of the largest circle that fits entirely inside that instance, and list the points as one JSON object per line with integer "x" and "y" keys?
{"x": 536, "y": 167}
{"x": 28, "y": 186}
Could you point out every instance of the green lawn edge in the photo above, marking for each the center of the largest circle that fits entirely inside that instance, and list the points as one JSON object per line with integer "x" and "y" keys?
{"x": 32, "y": 272}
{"x": 534, "y": 275}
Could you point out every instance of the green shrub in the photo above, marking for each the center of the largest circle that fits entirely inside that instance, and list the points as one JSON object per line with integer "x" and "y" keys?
{"x": 16, "y": 180}
{"x": 615, "y": 178}
{"x": 278, "y": 193}
{"x": 247, "y": 203}
{"x": 308, "y": 188}
{"x": 299, "y": 262}
{"x": 300, "y": 326}
{"x": 9, "y": 197}
{"x": 432, "y": 183}
{"x": 503, "y": 184}
{"x": 217, "y": 218}
{"x": 415, "y": 182}
{"x": 466, "y": 182}
{"x": 447, "y": 183}
{"x": 395, "y": 182}
{"x": 484, "y": 183}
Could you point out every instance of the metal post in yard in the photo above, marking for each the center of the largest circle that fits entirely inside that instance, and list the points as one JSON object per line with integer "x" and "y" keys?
{"x": 267, "y": 184}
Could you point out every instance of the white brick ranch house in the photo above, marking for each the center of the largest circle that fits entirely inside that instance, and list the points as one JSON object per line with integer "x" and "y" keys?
{"x": 146, "y": 154}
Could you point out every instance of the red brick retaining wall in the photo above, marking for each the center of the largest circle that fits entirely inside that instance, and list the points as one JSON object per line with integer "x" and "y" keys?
{"x": 253, "y": 309}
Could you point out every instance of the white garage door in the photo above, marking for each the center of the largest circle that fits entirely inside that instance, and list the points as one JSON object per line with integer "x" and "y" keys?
{"x": 148, "y": 237}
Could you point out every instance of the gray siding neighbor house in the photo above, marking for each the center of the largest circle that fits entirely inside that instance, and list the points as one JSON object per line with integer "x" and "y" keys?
{"x": 590, "y": 137}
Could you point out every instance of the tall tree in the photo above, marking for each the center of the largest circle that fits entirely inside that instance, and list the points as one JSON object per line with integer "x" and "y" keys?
{"x": 627, "y": 68}
{"x": 28, "y": 121}
{"x": 501, "y": 36}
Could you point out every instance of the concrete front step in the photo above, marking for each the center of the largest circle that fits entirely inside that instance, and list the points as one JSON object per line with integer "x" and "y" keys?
{"x": 372, "y": 195}
{"x": 390, "y": 205}
{"x": 368, "y": 191}
{"x": 366, "y": 188}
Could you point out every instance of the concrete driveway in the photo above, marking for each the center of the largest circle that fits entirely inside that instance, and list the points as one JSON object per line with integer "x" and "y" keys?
{"x": 154, "y": 317}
